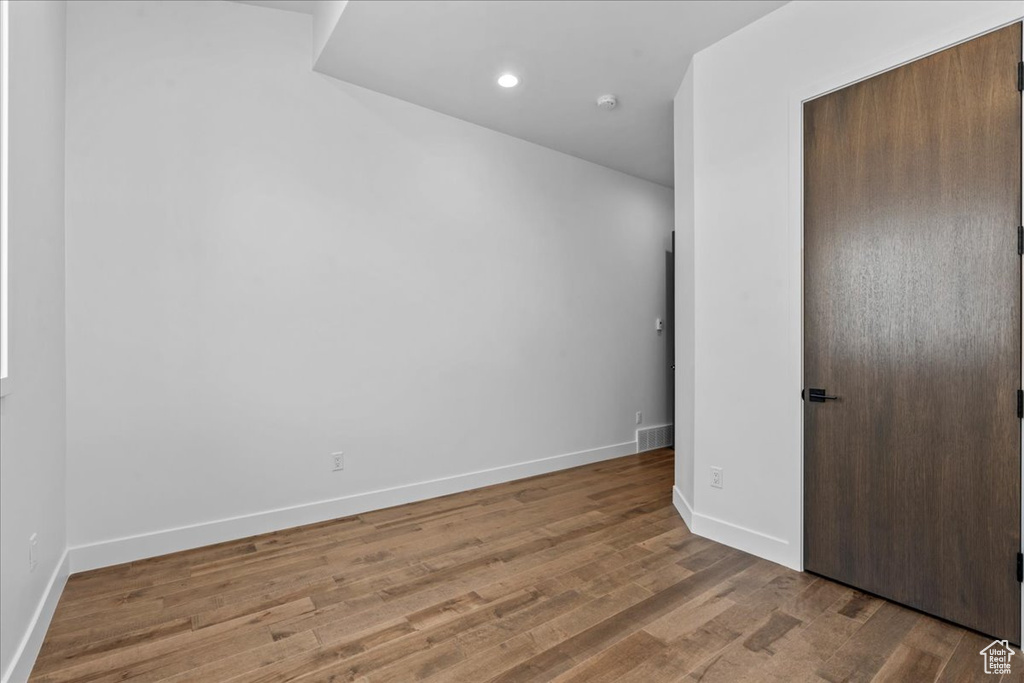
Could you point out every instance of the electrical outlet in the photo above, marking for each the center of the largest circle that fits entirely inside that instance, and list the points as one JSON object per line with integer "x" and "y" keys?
{"x": 338, "y": 461}
{"x": 639, "y": 416}
{"x": 716, "y": 477}
{"x": 33, "y": 556}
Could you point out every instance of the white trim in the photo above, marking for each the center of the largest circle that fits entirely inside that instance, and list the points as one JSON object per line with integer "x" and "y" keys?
{"x": 977, "y": 25}
{"x": 28, "y": 649}
{"x": 5, "y": 261}
{"x": 683, "y": 507}
{"x": 128, "y": 549}
{"x": 748, "y": 540}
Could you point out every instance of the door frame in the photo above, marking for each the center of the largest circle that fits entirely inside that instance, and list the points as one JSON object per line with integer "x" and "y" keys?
{"x": 982, "y": 23}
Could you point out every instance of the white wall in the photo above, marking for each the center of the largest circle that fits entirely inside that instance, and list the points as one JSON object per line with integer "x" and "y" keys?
{"x": 266, "y": 265}
{"x": 747, "y": 93}
{"x": 684, "y": 299}
{"x": 32, "y": 434}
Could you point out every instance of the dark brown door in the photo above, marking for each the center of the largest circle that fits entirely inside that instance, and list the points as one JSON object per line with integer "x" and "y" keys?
{"x": 912, "y": 315}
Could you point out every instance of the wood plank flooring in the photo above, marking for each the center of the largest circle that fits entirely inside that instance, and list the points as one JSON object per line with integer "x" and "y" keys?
{"x": 585, "y": 575}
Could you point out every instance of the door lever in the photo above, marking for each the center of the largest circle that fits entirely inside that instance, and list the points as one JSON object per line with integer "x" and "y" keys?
{"x": 819, "y": 396}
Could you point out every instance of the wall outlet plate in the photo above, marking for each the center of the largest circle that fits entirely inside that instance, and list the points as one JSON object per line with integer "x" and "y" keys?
{"x": 639, "y": 416}
{"x": 338, "y": 461}
{"x": 717, "y": 479}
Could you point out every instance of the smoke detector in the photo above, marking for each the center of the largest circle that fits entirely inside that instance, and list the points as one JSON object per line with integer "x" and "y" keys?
{"x": 607, "y": 102}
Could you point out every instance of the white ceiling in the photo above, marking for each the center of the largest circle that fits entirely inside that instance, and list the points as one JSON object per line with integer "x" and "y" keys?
{"x": 447, "y": 55}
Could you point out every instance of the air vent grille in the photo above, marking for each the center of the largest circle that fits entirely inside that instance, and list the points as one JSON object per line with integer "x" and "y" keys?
{"x": 653, "y": 437}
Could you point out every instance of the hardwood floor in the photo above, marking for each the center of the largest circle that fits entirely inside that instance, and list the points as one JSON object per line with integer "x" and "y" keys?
{"x": 581, "y": 575}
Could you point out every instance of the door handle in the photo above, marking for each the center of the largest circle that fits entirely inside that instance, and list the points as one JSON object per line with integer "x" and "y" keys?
{"x": 819, "y": 396}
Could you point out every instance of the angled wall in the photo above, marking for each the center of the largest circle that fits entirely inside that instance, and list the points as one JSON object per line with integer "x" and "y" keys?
{"x": 326, "y": 14}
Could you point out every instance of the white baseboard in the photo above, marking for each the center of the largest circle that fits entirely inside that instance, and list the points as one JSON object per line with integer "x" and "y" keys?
{"x": 683, "y": 507}
{"x": 763, "y": 545}
{"x": 128, "y": 549}
{"x": 25, "y": 655}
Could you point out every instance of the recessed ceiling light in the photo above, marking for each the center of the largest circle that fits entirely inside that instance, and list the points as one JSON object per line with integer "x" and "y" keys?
{"x": 508, "y": 81}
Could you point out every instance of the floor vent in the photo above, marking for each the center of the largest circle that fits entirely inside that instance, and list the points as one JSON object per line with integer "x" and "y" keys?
{"x": 653, "y": 437}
